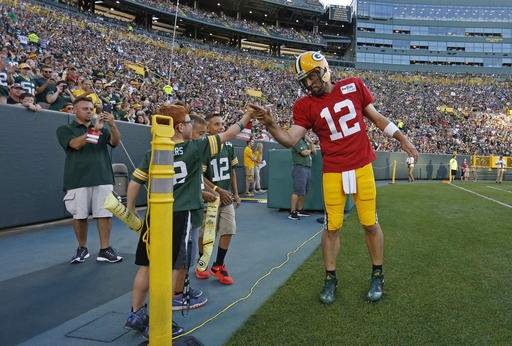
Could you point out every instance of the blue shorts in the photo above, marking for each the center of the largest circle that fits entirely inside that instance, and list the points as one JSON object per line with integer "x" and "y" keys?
{"x": 300, "y": 176}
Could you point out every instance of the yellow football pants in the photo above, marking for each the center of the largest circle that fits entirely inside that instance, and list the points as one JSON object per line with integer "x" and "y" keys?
{"x": 365, "y": 198}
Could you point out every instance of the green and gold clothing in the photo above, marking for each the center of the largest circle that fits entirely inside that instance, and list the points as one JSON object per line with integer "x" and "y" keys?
{"x": 28, "y": 84}
{"x": 218, "y": 170}
{"x": 188, "y": 158}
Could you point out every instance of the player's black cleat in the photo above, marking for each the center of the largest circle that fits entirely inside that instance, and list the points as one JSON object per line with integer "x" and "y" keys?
{"x": 376, "y": 286}
{"x": 328, "y": 294}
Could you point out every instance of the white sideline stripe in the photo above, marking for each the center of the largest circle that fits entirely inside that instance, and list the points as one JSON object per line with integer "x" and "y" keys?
{"x": 488, "y": 198}
{"x": 495, "y": 188}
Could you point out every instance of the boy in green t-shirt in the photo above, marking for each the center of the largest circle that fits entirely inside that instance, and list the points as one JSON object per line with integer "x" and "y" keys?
{"x": 220, "y": 175}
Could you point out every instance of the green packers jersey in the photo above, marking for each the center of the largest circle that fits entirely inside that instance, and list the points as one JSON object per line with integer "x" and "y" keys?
{"x": 188, "y": 158}
{"x": 218, "y": 170}
{"x": 28, "y": 84}
{"x": 297, "y": 158}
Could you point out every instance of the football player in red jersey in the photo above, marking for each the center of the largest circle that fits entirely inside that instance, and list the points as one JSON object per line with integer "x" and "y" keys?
{"x": 335, "y": 111}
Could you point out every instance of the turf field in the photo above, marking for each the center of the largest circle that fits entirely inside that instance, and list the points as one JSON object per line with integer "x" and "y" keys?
{"x": 448, "y": 270}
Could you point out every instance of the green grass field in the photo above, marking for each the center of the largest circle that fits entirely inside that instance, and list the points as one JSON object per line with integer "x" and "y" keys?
{"x": 448, "y": 269}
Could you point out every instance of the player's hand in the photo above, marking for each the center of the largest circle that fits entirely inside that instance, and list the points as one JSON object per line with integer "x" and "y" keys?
{"x": 226, "y": 197}
{"x": 409, "y": 148}
{"x": 262, "y": 114}
{"x": 252, "y": 111}
{"x": 209, "y": 197}
{"x": 236, "y": 199}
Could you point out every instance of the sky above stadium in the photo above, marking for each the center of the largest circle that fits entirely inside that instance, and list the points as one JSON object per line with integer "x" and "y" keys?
{"x": 336, "y": 2}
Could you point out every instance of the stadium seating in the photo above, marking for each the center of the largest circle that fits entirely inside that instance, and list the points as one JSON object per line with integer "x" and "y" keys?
{"x": 441, "y": 114}
{"x": 241, "y": 24}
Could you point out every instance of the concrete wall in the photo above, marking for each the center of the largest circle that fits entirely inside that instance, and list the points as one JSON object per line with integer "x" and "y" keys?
{"x": 32, "y": 165}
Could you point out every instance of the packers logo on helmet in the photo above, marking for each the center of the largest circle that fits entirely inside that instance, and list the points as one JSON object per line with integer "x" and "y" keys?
{"x": 309, "y": 62}
{"x": 317, "y": 56}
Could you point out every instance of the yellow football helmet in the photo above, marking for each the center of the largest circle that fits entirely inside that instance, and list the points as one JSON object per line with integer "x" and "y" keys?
{"x": 309, "y": 62}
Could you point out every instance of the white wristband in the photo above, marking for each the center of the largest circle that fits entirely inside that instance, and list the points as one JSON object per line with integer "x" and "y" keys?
{"x": 390, "y": 129}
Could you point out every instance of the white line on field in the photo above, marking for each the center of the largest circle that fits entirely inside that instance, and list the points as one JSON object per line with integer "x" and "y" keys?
{"x": 495, "y": 188}
{"x": 485, "y": 197}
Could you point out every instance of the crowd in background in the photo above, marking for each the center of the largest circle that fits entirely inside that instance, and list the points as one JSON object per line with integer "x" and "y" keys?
{"x": 70, "y": 54}
{"x": 230, "y": 22}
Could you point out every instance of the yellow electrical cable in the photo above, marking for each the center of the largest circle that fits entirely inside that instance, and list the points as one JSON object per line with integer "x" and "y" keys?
{"x": 288, "y": 255}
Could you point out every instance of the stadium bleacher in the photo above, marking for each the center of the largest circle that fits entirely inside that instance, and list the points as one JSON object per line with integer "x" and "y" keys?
{"x": 130, "y": 77}
{"x": 242, "y": 24}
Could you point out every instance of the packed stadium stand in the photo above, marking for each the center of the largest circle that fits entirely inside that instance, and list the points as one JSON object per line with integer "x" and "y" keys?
{"x": 129, "y": 65}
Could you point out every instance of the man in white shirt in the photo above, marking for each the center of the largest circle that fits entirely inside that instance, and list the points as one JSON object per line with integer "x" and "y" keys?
{"x": 410, "y": 167}
{"x": 500, "y": 165}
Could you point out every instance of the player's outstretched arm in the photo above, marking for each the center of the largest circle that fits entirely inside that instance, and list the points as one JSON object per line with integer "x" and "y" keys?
{"x": 237, "y": 127}
{"x": 287, "y": 138}
{"x": 390, "y": 130}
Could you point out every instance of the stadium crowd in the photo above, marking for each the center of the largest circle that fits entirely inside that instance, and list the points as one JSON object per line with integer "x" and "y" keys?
{"x": 230, "y": 22}
{"x": 57, "y": 56}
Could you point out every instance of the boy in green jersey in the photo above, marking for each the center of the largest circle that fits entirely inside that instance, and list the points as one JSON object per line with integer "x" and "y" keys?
{"x": 220, "y": 175}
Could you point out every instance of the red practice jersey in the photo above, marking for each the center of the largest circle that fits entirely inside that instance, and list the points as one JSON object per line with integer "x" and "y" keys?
{"x": 337, "y": 120}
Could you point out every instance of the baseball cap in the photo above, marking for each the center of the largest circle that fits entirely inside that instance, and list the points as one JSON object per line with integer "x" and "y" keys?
{"x": 16, "y": 86}
{"x": 24, "y": 65}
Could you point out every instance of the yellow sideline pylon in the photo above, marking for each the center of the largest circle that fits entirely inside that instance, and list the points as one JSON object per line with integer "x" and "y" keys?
{"x": 161, "y": 173}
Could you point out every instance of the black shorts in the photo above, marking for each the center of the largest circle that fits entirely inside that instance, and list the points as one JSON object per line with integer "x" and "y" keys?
{"x": 454, "y": 172}
{"x": 180, "y": 221}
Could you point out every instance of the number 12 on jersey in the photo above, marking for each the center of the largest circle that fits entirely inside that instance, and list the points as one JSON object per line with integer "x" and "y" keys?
{"x": 221, "y": 171}
{"x": 345, "y": 130}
